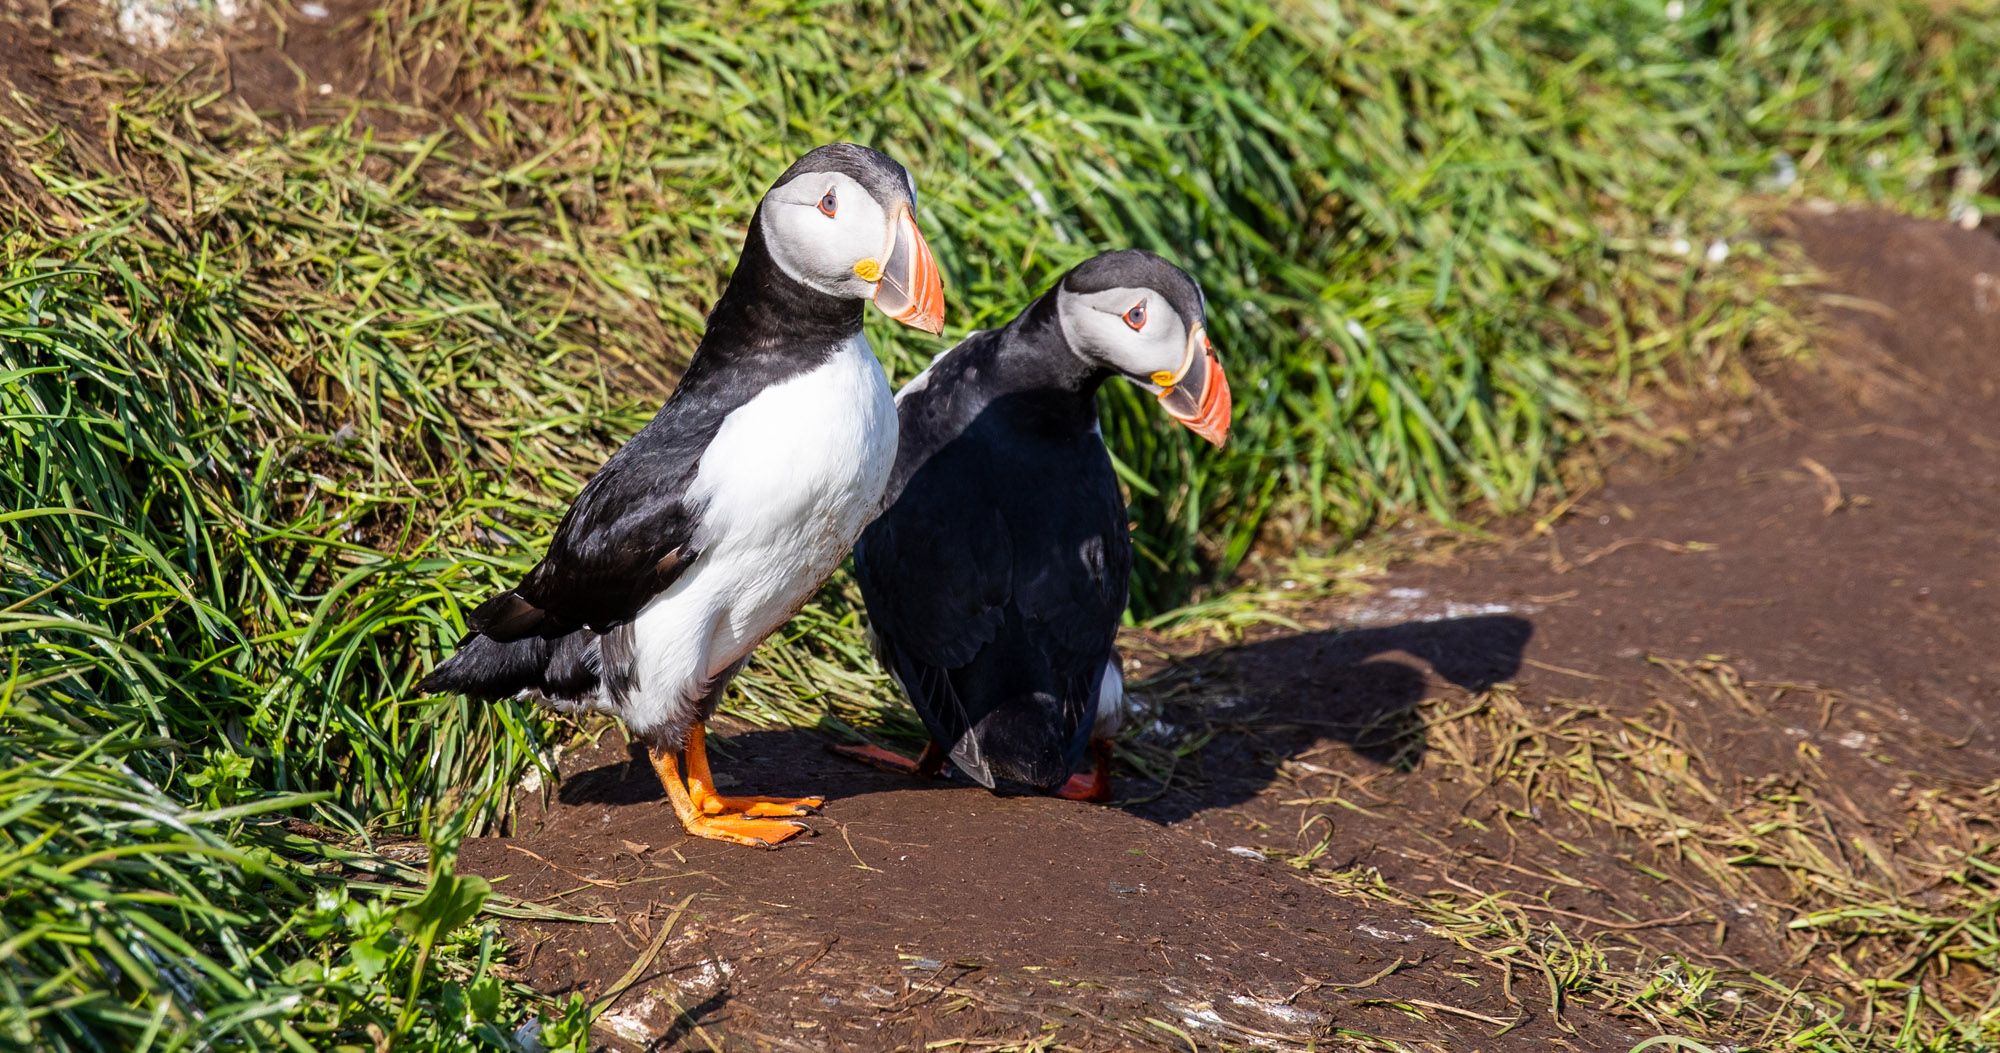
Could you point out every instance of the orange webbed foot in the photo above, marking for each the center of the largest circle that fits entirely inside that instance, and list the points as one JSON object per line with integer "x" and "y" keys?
{"x": 1094, "y": 787}
{"x": 717, "y": 804}
{"x": 877, "y": 757}
{"x": 707, "y": 814}
{"x": 927, "y": 765}
{"x": 757, "y": 833}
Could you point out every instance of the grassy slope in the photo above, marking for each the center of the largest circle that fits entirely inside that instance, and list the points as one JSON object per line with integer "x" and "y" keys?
{"x": 275, "y": 403}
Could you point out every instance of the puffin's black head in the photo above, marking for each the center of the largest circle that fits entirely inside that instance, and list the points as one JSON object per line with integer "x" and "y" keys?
{"x": 842, "y": 220}
{"x": 1144, "y": 318}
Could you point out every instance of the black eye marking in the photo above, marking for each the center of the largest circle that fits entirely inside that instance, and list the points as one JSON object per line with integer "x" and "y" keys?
{"x": 827, "y": 204}
{"x": 1136, "y": 317}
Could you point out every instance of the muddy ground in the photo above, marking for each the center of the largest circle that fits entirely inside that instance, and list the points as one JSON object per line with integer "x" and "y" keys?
{"x": 1591, "y": 721}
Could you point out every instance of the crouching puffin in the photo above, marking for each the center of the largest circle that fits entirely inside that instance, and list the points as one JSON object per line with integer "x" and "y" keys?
{"x": 996, "y": 579}
{"x": 719, "y": 519}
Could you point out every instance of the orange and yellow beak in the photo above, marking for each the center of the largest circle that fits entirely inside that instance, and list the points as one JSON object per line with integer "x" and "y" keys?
{"x": 909, "y": 289}
{"x": 1198, "y": 396}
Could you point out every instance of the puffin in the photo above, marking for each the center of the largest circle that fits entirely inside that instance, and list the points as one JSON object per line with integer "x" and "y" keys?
{"x": 996, "y": 578}
{"x": 722, "y": 516}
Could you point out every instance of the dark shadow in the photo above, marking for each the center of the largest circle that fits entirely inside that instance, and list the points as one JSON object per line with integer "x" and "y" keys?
{"x": 631, "y": 782}
{"x": 1219, "y": 726}
{"x": 1257, "y": 705}
{"x": 691, "y": 1017}
{"x": 787, "y": 762}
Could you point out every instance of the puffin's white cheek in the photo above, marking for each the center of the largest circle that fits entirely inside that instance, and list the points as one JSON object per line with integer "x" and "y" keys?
{"x": 805, "y": 245}
{"x": 1135, "y": 354}
{"x": 834, "y": 254}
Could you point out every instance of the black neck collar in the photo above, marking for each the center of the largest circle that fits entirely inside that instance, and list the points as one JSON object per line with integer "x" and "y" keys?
{"x": 765, "y": 312}
{"x": 1035, "y": 350}
{"x": 1034, "y": 368}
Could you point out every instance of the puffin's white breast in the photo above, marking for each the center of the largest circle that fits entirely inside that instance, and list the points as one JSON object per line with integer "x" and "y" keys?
{"x": 808, "y": 454}
{"x": 784, "y": 489}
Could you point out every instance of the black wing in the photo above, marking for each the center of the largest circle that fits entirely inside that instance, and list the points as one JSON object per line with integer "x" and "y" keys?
{"x": 995, "y": 583}
{"x": 628, "y": 537}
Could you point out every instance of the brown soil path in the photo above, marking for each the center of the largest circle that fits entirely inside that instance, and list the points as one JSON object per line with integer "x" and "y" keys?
{"x": 922, "y": 914}
{"x": 1790, "y": 631}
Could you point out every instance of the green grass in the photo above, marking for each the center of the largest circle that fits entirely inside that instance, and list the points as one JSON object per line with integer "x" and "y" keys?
{"x": 275, "y": 403}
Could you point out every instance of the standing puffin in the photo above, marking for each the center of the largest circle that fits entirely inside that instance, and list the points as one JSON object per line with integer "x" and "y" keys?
{"x": 722, "y": 516}
{"x": 996, "y": 579}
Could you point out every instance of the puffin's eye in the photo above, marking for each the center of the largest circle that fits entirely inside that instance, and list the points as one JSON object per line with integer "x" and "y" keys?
{"x": 827, "y": 205}
{"x": 1136, "y": 317}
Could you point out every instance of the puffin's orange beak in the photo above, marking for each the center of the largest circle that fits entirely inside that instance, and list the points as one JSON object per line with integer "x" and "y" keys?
{"x": 910, "y": 290}
{"x": 1199, "y": 396}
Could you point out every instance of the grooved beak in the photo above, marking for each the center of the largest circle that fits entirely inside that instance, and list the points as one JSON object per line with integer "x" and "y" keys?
{"x": 910, "y": 290}
{"x": 1199, "y": 397}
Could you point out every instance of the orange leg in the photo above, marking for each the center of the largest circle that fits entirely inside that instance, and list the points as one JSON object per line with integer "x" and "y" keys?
{"x": 701, "y": 787}
{"x": 1095, "y": 787}
{"x": 925, "y": 766}
{"x": 761, "y": 833}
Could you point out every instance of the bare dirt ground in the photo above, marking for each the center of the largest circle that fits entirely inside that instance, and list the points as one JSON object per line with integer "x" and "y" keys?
{"x": 292, "y": 63}
{"x": 1714, "y": 691}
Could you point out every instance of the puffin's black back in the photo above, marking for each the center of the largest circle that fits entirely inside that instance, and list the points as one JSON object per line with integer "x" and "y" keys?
{"x": 996, "y": 579}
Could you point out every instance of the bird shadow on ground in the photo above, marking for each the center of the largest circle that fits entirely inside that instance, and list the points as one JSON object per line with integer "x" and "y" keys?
{"x": 787, "y": 762}
{"x": 1221, "y": 724}
{"x": 689, "y": 1021}
{"x": 1252, "y": 706}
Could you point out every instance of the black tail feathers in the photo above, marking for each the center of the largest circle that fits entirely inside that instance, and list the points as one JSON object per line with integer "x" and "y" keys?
{"x": 508, "y": 617}
{"x": 563, "y": 666}
{"x": 1024, "y": 747}
{"x": 488, "y": 668}
{"x": 504, "y": 654}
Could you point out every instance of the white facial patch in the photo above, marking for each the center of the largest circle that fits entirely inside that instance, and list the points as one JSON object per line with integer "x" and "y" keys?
{"x": 1096, "y": 327}
{"x": 821, "y": 250}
